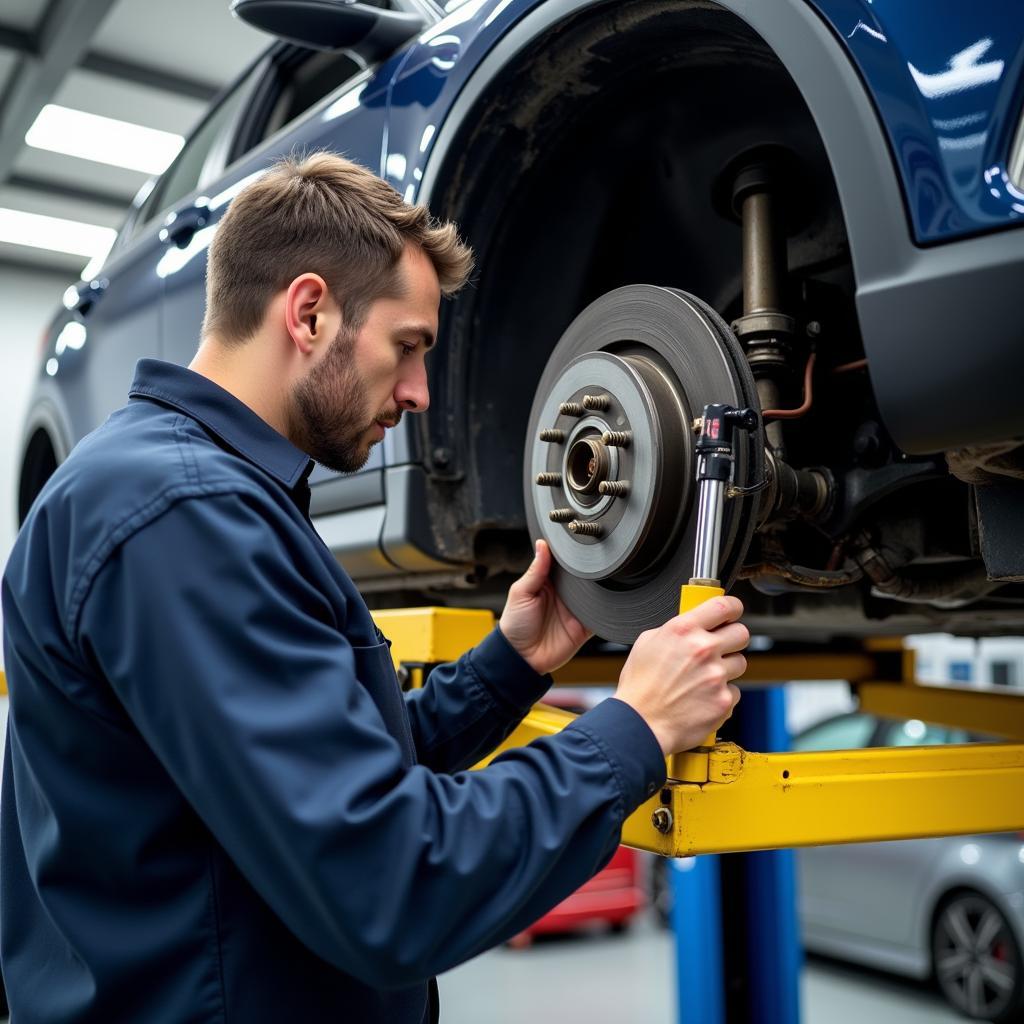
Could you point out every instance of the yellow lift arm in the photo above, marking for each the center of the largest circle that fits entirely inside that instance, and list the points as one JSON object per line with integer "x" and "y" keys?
{"x": 742, "y": 800}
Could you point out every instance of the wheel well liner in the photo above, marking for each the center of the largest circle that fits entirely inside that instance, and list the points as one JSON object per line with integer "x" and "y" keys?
{"x": 592, "y": 130}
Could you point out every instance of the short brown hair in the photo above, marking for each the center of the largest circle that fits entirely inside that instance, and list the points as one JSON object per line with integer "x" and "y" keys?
{"x": 325, "y": 215}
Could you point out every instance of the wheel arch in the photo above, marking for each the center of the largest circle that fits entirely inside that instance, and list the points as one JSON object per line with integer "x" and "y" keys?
{"x": 464, "y": 176}
{"x": 44, "y": 447}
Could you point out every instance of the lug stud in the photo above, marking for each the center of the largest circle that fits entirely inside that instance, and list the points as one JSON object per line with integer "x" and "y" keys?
{"x": 598, "y": 402}
{"x": 616, "y": 488}
{"x": 570, "y": 409}
{"x": 561, "y": 515}
{"x": 616, "y": 438}
{"x": 549, "y": 479}
{"x": 585, "y": 529}
{"x": 553, "y": 435}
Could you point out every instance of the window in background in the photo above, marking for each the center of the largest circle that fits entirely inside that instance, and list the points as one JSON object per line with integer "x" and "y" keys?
{"x": 1004, "y": 673}
{"x": 961, "y": 671}
{"x": 183, "y": 175}
{"x": 846, "y": 733}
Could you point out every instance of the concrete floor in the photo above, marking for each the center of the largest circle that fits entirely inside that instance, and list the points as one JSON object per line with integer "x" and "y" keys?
{"x": 627, "y": 979}
{"x": 621, "y": 979}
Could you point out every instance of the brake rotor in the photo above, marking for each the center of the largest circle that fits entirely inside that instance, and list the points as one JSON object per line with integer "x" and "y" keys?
{"x": 610, "y": 466}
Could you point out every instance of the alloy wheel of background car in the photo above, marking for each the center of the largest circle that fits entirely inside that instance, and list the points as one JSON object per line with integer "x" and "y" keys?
{"x": 609, "y": 466}
{"x": 977, "y": 960}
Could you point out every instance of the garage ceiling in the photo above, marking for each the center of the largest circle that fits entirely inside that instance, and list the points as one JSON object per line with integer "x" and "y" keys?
{"x": 145, "y": 62}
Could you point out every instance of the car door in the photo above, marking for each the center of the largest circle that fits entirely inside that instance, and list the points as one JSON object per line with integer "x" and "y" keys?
{"x": 824, "y": 902}
{"x": 895, "y": 875}
{"x": 304, "y": 101}
{"x": 185, "y": 219}
{"x": 282, "y": 113}
{"x": 873, "y": 891}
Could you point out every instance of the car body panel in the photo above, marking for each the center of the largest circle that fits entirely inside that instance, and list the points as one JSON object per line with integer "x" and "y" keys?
{"x": 874, "y": 903}
{"x": 917, "y": 307}
{"x": 858, "y": 924}
{"x": 948, "y": 91}
{"x": 870, "y": 889}
{"x": 613, "y": 896}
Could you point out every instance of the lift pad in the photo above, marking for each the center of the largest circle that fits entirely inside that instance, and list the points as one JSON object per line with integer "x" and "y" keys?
{"x": 745, "y": 801}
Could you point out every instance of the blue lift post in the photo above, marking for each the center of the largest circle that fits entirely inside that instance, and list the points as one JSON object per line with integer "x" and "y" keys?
{"x": 774, "y": 952}
{"x": 697, "y": 922}
{"x": 767, "y": 931}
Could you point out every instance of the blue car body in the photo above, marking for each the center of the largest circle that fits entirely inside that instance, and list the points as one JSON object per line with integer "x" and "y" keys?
{"x": 915, "y": 107}
{"x": 947, "y": 83}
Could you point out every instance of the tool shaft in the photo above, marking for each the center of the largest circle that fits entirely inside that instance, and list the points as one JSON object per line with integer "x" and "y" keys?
{"x": 710, "y": 496}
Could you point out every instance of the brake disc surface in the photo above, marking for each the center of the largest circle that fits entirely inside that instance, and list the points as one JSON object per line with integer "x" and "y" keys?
{"x": 609, "y": 467}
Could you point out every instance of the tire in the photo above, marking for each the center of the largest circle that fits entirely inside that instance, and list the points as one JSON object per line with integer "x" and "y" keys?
{"x": 977, "y": 959}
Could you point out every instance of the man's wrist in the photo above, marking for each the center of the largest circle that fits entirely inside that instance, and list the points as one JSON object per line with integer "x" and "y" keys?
{"x": 526, "y": 655}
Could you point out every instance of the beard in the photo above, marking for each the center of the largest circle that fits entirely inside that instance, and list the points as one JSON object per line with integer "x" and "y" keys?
{"x": 329, "y": 416}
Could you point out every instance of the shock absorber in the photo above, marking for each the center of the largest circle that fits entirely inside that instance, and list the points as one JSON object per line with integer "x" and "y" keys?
{"x": 764, "y": 329}
{"x": 714, "y": 471}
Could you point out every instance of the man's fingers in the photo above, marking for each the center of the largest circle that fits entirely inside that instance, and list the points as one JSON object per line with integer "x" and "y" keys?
{"x": 732, "y": 637}
{"x": 715, "y": 612}
{"x": 735, "y": 665}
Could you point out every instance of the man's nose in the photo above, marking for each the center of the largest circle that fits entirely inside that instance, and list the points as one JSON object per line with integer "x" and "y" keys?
{"x": 412, "y": 393}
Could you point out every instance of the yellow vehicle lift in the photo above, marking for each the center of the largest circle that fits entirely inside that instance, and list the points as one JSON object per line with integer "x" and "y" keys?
{"x": 735, "y": 800}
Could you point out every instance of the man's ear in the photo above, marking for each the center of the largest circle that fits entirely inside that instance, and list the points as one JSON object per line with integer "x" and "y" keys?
{"x": 307, "y": 310}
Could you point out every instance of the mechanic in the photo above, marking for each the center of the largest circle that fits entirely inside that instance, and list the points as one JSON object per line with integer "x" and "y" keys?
{"x": 216, "y": 803}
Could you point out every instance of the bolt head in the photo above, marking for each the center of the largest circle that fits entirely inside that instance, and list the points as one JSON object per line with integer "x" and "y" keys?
{"x": 661, "y": 819}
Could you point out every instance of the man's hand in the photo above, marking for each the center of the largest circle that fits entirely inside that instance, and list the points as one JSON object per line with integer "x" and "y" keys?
{"x": 536, "y": 623}
{"x": 677, "y": 677}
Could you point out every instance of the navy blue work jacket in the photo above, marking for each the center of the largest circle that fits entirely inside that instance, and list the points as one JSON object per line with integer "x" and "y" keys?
{"x": 217, "y": 805}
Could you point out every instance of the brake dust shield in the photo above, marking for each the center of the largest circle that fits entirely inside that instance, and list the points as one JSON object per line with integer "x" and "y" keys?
{"x": 610, "y": 464}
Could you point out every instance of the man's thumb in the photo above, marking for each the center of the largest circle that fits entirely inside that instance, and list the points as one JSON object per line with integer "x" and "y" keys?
{"x": 537, "y": 570}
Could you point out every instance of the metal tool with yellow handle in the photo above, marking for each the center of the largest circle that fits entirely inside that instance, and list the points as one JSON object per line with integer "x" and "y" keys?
{"x": 714, "y": 471}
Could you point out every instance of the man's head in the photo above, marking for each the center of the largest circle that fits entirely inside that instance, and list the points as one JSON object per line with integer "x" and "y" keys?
{"x": 339, "y": 281}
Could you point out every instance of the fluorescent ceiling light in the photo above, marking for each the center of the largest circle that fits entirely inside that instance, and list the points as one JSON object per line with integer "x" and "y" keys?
{"x": 56, "y": 234}
{"x": 103, "y": 139}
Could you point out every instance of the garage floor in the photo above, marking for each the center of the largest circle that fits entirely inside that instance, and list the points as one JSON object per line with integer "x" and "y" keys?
{"x": 611, "y": 979}
{"x": 620, "y": 979}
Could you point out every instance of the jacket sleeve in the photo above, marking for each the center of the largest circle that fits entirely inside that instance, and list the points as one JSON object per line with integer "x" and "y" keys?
{"x": 469, "y": 706}
{"x": 230, "y": 665}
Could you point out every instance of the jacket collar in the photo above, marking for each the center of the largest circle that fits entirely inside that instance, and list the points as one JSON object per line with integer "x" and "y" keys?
{"x": 222, "y": 414}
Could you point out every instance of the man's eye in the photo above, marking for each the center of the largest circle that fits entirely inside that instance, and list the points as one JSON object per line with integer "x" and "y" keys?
{"x": 407, "y": 350}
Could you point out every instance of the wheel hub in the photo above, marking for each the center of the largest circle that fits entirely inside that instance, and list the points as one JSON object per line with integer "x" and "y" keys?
{"x": 609, "y": 474}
